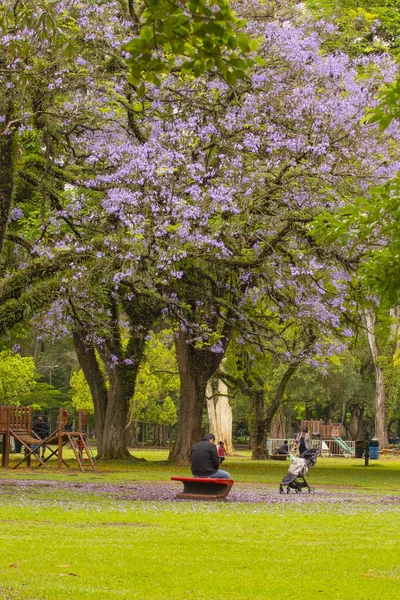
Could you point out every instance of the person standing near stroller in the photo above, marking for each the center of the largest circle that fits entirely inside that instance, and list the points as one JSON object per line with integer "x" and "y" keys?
{"x": 304, "y": 441}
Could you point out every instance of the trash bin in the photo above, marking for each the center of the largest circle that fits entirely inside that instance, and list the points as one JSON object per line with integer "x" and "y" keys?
{"x": 359, "y": 448}
{"x": 374, "y": 448}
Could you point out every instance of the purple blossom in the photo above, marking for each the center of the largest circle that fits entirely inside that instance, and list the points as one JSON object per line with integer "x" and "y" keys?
{"x": 16, "y": 214}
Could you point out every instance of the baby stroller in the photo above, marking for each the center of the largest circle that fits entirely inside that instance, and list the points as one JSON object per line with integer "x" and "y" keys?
{"x": 295, "y": 477}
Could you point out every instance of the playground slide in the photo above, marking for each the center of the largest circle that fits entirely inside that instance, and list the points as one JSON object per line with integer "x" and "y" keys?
{"x": 346, "y": 449}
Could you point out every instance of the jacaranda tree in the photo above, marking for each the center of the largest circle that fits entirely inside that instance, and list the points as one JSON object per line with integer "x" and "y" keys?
{"x": 190, "y": 202}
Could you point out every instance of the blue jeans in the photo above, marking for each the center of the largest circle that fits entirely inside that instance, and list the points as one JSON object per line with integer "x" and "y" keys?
{"x": 220, "y": 474}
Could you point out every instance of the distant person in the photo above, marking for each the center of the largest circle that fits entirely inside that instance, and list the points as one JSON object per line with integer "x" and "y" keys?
{"x": 221, "y": 452}
{"x": 42, "y": 430}
{"x": 284, "y": 448}
{"x": 18, "y": 446}
{"x": 205, "y": 460}
{"x": 304, "y": 441}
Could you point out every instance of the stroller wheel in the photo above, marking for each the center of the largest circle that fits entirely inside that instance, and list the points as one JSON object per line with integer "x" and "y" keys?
{"x": 311, "y": 490}
{"x": 288, "y": 490}
{"x": 280, "y": 489}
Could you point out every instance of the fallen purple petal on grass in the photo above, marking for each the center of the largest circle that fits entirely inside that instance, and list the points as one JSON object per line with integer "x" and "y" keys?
{"x": 242, "y": 493}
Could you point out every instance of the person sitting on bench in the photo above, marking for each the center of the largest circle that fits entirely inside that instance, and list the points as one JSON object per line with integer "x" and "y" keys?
{"x": 205, "y": 461}
{"x": 284, "y": 448}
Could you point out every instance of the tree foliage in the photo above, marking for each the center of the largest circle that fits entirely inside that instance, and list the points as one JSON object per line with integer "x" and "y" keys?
{"x": 157, "y": 390}
{"x": 362, "y": 26}
{"x": 17, "y": 377}
{"x": 189, "y": 37}
{"x": 80, "y": 393}
{"x": 190, "y": 202}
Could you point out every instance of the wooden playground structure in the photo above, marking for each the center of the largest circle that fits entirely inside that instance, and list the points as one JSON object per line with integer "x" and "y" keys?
{"x": 324, "y": 430}
{"x": 16, "y": 422}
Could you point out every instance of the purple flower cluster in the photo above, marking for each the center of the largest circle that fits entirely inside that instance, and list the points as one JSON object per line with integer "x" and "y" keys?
{"x": 198, "y": 174}
{"x": 162, "y": 496}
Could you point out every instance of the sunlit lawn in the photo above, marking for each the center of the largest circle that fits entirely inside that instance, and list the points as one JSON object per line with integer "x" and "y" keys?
{"x": 76, "y": 540}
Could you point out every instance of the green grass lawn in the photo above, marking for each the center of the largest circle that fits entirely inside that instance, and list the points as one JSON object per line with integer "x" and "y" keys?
{"x": 87, "y": 535}
{"x": 382, "y": 474}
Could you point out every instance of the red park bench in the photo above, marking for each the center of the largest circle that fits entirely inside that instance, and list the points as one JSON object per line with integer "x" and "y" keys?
{"x": 204, "y": 488}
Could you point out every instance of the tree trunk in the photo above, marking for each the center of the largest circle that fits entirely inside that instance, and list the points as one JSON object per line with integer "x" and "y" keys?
{"x": 278, "y": 429}
{"x": 110, "y": 406}
{"x": 261, "y": 429}
{"x": 220, "y": 413}
{"x": 356, "y": 426}
{"x": 132, "y": 435}
{"x": 160, "y": 438}
{"x": 196, "y": 366}
{"x": 257, "y": 435}
{"x": 277, "y": 400}
{"x": 381, "y": 416}
{"x": 95, "y": 379}
{"x": 122, "y": 386}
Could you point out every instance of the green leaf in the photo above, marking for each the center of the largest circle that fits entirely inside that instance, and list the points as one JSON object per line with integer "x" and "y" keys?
{"x": 141, "y": 90}
{"x": 253, "y": 45}
{"x": 243, "y": 42}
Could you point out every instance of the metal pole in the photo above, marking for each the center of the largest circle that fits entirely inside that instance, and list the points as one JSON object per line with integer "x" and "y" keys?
{"x": 366, "y": 463}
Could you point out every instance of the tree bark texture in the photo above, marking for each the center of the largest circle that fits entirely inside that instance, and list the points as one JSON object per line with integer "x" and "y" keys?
{"x": 381, "y": 415}
{"x": 277, "y": 400}
{"x": 258, "y": 436}
{"x": 114, "y": 439}
{"x": 95, "y": 380}
{"x": 132, "y": 435}
{"x": 196, "y": 366}
{"x": 220, "y": 413}
{"x": 111, "y": 406}
{"x": 356, "y": 425}
{"x": 278, "y": 428}
{"x": 263, "y": 416}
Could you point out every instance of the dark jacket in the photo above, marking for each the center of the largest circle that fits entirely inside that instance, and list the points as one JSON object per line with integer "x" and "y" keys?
{"x": 41, "y": 429}
{"x": 204, "y": 457}
{"x": 284, "y": 449}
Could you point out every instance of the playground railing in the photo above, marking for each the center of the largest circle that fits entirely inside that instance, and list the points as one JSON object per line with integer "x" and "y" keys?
{"x": 324, "y": 430}
{"x": 328, "y": 447}
{"x": 18, "y": 418}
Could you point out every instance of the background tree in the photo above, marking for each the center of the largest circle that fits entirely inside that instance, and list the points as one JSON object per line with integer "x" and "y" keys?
{"x": 188, "y": 37}
{"x": 80, "y": 393}
{"x": 363, "y": 26}
{"x": 219, "y": 410}
{"x": 17, "y": 377}
{"x": 156, "y": 394}
{"x": 192, "y": 199}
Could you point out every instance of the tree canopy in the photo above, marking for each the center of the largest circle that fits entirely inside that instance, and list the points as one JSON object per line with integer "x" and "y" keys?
{"x": 199, "y": 201}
